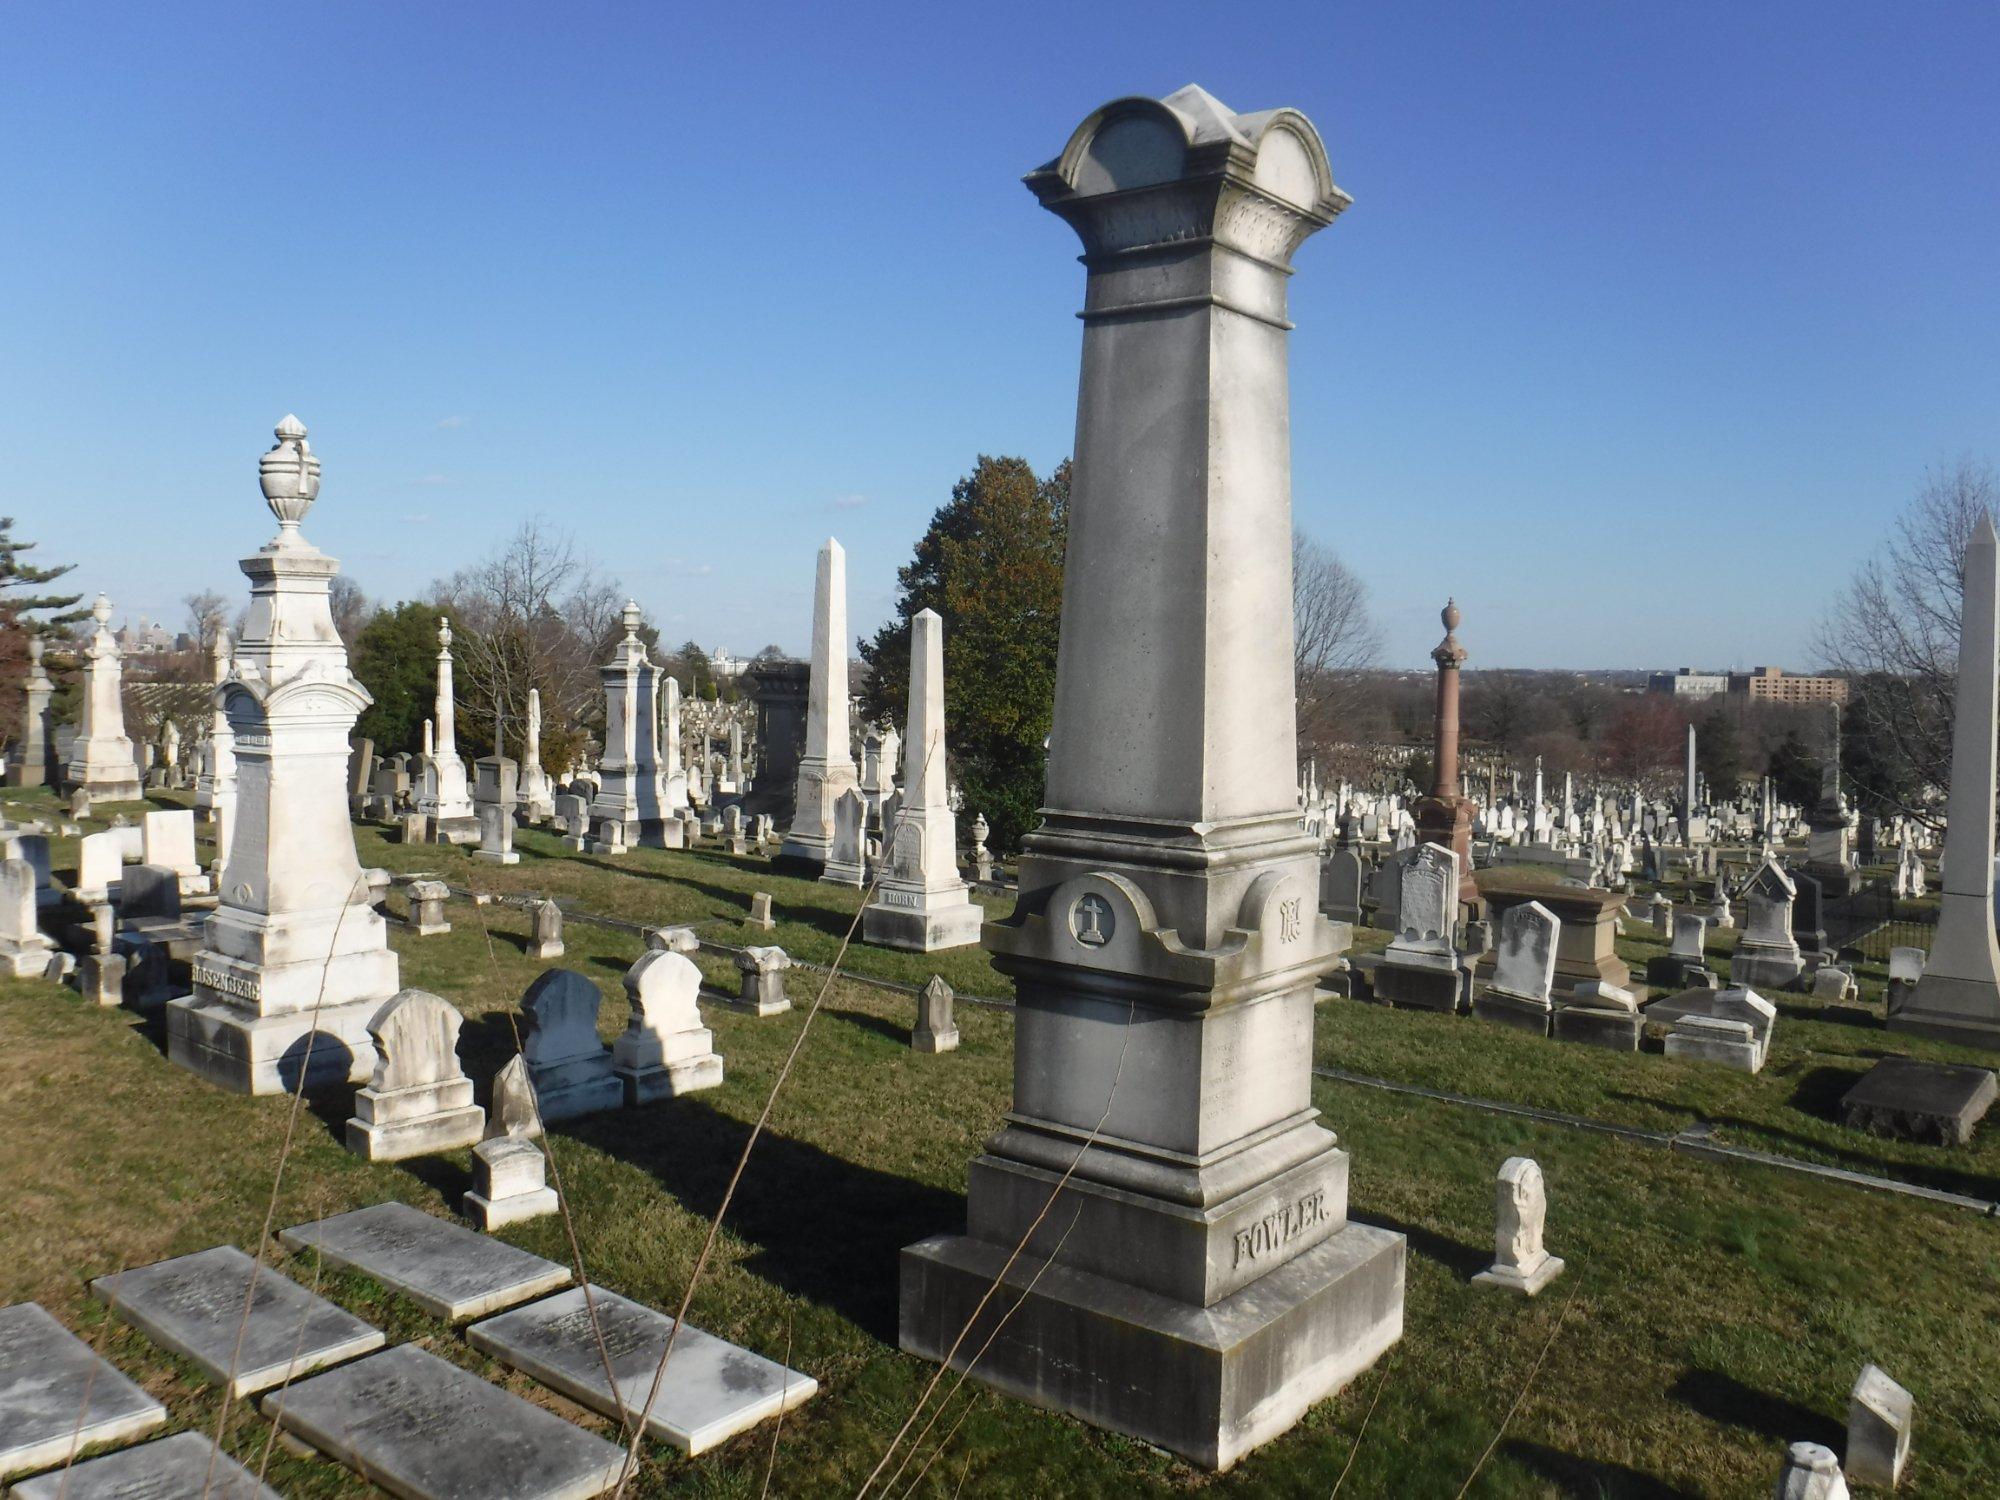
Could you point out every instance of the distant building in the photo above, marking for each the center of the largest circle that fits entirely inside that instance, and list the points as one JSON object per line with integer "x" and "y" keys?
{"x": 1771, "y": 685}
{"x": 1688, "y": 683}
{"x": 723, "y": 667}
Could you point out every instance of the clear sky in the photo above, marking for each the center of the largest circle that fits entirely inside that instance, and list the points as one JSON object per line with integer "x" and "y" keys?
{"x": 1645, "y": 320}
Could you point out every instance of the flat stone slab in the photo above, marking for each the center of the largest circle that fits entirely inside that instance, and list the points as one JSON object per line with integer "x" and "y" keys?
{"x": 1920, "y": 1101}
{"x": 712, "y": 1391}
{"x": 193, "y": 1305}
{"x": 175, "y": 1468}
{"x": 44, "y": 1370}
{"x": 421, "y": 1427}
{"x": 451, "y": 1272}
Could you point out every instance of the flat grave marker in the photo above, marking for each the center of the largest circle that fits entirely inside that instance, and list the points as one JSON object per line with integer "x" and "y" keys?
{"x": 713, "y": 1390}
{"x": 451, "y": 1272}
{"x": 166, "y": 1470}
{"x": 44, "y": 1370}
{"x": 193, "y": 1306}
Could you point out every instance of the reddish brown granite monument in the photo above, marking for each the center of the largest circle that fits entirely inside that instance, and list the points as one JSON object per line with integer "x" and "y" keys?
{"x": 1445, "y": 817}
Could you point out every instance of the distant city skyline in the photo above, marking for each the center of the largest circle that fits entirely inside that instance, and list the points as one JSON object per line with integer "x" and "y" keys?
{"x": 1642, "y": 327}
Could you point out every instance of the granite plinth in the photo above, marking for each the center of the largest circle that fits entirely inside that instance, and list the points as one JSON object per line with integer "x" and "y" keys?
{"x": 1209, "y": 1383}
{"x": 712, "y": 1389}
{"x": 193, "y": 1306}
{"x": 1733, "y": 1044}
{"x": 446, "y": 1269}
{"x": 1774, "y": 969}
{"x": 1412, "y": 988}
{"x": 237, "y": 1049}
{"x": 1920, "y": 1101}
{"x": 44, "y": 1372}
{"x": 1531, "y": 1016}
{"x": 509, "y": 1183}
{"x": 1617, "y": 1030}
{"x": 422, "y": 1428}
{"x": 1949, "y": 1009}
{"x": 671, "y": 1079}
{"x": 919, "y": 929}
{"x": 1514, "y": 1279}
{"x": 185, "y": 1466}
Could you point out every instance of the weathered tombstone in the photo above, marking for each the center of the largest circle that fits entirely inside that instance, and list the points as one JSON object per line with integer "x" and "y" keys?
{"x": 58, "y": 1397}
{"x": 509, "y": 1172}
{"x": 34, "y": 751}
{"x": 446, "y": 1269}
{"x": 99, "y": 867}
{"x": 545, "y": 937}
{"x": 1690, "y": 939}
{"x": 188, "y": 1463}
{"x": 673, "y": 939}
{"x": 427, "y": 899}
{"x": 570, "y": 1067}
{"x": 1766, "y": 954}
{"x": 1599, "y": 1014}
{"x": 572, "y": 818}
{"x": 101, "y": 759}
{"x": 24, "y": 951}
{"x": 167, "y": 838}
{"x": 1421, "y": 967}
{"x": 496, "y": 834}
{"x": 1518, "y": 994}
{"x": 609, "y": 837}
{"x": 665, "y": 1051}
{"x": 1340, "y": 885}
{"x": 360, "y": 769}
{"x": 1879, "y": 1413}
{"x": 34, "y": 848}
{"x": 1811, "y": 1472}
{"x": 846, "y": 858}
{"x": 496, "y": 781}
{"x": 1521, "y": 1263}
{"x": 760, "y": 911}
{"x": 418, "y": 1101}
{"x": 1733, "y": 1029}
{"x": 935, "y": 1031}
{"x": 763, "y": 971}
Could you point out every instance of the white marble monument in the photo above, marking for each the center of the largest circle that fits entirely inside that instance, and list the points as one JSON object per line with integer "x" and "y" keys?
{"x": 296, "y": 961}
{"x": 630, "y": 792}
{"x": 826, "y": 771}
{"x": 101, "y": 759}
{"x": 665, "y": 1051}
{"x": 447, "y": 800}
{"x": 418, "y": 1101}
{"x": 1521, "y": 1263}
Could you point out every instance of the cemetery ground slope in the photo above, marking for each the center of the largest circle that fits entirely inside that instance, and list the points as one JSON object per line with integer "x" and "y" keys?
{"x": 1710, "y": 1314}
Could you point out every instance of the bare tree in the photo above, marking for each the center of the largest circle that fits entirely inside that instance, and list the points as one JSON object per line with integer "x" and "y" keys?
{"x": 1894, "y": 635}
{"x": 351, "y": 608}
{"x": 533, "y": 615}
{"x": 207, "y": 612}
{"x": 1334, "y": 639}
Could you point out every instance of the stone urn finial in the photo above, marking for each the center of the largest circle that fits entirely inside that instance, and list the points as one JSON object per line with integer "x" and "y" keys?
{"x": 289, "y": 475}
{"x": 444, "y": 634}
{"x": 101, "y": 611}
{"x": 1450, "y": 615}
{"x": 631, "y": 619}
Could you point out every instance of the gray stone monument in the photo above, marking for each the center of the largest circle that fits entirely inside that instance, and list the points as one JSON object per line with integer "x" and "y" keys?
{"x": 1879, "y": 1413}
{"x": 24, "y": 952}
{"x": 427, "y": 899}
{"x": 569, "y": 1067}
{"x": 763, "y": 971}
{"x": 1422, "y": 968}
{"x": 1208, "y": 1285}
{"x": 537, "y": 791}
{"x": 1524, "y": 969}
{"x": 545, "y": 937}
{"x": 34, "y": 752}
{"x": 418, "y": 1101}
{"x": 509, "y": 1172}
{"x": 101, "y": 759}
{"x": 296, "y": 961}
{"x": 935, "y": 1030}
{"x": 1958, "y": 997}
{"x": 57, "y": 1397}
{"x": 631, "y": 800}
{"x": 1767, "y": 954}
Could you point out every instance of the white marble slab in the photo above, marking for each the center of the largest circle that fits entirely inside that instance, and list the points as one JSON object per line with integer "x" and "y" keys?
{"x": 420, "y": 1427}
{"x": 451, "y": 1272}
{"x": 712, "y": 1391}
{"x": 44, "y": 1373}
{"x": 175, "y": 1468}
{"x": 193, "y": 1305}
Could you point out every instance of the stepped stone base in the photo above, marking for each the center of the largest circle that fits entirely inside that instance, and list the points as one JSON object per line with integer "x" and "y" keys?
{"x": 247, "y": 1053}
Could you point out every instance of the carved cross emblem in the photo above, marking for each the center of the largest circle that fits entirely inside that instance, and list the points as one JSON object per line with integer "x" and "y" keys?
{"x": 1091, "y": 920}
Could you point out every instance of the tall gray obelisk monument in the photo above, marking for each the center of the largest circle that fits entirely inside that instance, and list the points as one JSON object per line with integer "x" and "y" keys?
{"x": 1207, "y": 1284}
{"x": 1958, "y": 997}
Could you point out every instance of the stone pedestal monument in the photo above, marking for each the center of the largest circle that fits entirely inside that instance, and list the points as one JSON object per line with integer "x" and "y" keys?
{"x": 1958, "y": 997}
{"x": 1829, "y": 848}
{"x": 449, "y": 805}
{"x": 215, "y": 785}
{"x": 920, "y": 902}
{"x": 295, "y": 962}
{"x": 101, "y": 760}
{"x": 35, "y": 750}
{"x": 629, "y": 792}
{"x": 537, "y": 792}
{"x": 826, "y": 770}
{"x": 1197, "y": 1282}
{"x": 1445, "y": 817}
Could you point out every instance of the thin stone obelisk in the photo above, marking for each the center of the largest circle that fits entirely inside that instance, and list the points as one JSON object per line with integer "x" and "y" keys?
{"x": 215, "y": 787}
{"x": 537, "y": 793}
{"x": 1207, "y": 1284}
{"x": 101, "y": 760}
{"x": 921, "y": 902}
{"x": 451, "y": 811}
{"x": 295, "y": 960}
{"x": 1958, "y": 997}
{"x": 1445, "y": 817}
{"x": 826, "y": 772}
{"x": 1687, "y": 793}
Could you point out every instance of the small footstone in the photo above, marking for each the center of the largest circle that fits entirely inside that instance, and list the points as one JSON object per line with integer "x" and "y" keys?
{"x": 44, "y": 1372}
{"x": 185, "y": 1464}
{"x": 712, "y": 1391}
{"x": 422, "y": 1428}
{"x": 193, "y": 1306}
{"x": 1920, "y": 1101}
{"x": 449, "y": 1271}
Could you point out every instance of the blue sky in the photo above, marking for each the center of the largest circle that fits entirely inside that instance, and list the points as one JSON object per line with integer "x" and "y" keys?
{"x": 1645, "y": 320}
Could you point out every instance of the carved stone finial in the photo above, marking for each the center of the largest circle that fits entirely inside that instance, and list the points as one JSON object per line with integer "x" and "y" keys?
{"x": 444, "y": 633}
{"x": 289, "y": 476}
{"x": 101, "y": 611}
{"x": 632, "y": 618}
{"x": 1448, "y": 653}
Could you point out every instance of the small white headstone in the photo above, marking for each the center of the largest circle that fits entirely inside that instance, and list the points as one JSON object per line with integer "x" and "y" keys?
{"x": 1521, "y": 1263}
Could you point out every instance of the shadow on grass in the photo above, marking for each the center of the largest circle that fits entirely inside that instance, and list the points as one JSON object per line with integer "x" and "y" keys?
{"x": 1819, "y": 1092}
{"x": 1724, "y": 1399}
{"x": 877, "y": 1024}
{"x": 1461, "y": 1260}
{"x": 825, "y": 1228}
{"x": 1923, "y": 1173}
{"x": 1586, "y": 1477}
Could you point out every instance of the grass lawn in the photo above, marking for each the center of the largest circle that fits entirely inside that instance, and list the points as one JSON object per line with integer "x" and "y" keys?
{"x": 1710, "y": 1313}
